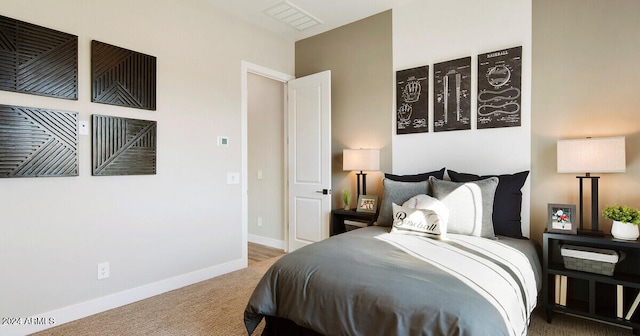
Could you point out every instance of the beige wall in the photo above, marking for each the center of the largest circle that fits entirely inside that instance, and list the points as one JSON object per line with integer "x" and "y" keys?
{"x": 183, "y": 224}
{"x": 359, "y": 57}
{"x": 585, "y": 83}
{"x": 265, "y": 110}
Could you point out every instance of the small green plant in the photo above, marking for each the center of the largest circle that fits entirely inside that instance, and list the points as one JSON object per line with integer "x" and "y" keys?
{"x": 621, "y": 213}
{"x": 346, "y": 197}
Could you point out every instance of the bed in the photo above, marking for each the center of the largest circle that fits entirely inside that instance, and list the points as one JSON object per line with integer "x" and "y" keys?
{"x": 435, "y": 279}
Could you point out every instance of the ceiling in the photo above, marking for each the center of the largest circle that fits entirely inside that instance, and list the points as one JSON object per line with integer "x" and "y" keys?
{"x": 331, "y": 13}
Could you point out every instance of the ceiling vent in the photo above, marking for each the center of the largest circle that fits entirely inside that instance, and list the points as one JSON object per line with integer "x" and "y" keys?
{"x": 293, "y": 16}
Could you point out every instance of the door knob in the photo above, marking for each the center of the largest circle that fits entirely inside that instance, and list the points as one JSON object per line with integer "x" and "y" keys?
{"x": 324, "y": 191}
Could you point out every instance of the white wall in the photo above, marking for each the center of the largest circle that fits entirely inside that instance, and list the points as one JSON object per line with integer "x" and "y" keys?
{"x": 158, "y": 232}
{"x": 429, "y": 32}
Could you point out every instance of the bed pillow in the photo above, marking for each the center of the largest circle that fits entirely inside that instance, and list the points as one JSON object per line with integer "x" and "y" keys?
{"x": 397, "y": 192}
{"x": 419, "y": 222}
{"x": 470, "y": 205}
{"x": 439, "y": 174}
{"x": 427, "y": 202}
{"x": 507, "y": 204}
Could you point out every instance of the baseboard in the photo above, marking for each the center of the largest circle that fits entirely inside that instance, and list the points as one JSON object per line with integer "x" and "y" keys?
{"x": 57, "y": 317}
{"x": 266, "y": 241}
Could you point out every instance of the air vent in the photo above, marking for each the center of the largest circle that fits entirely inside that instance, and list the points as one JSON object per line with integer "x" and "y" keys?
{"x": 292, "y": 16}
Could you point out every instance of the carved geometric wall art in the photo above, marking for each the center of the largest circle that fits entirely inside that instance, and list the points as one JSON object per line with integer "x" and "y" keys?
{"x": 38, "y": 60}
{"x": 123, "y": 146}
{"x": 122, "y": 77}
{"x": 37, "y": 142}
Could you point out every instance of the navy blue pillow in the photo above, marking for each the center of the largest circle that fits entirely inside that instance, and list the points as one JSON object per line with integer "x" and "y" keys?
{"x": 507, "y": 203}
{"x": 439, "y": 174}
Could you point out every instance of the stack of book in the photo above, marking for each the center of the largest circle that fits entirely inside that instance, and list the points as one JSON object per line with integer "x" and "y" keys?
{"x": 561, "y": 297}
{"x": 620, "y": 304}
{"x": 561, "y": 290}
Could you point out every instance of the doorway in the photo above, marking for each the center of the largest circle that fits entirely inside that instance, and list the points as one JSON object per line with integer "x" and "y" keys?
{"x": 263, "y": 157}
{"x": 266, "y": 158}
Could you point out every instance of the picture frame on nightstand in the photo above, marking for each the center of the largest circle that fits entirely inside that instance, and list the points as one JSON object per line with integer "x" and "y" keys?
{"x": 562, "y": 218}
{"x": 367, "y": 203}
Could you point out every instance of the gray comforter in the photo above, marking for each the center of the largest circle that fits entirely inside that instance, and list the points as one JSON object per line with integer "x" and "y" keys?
{"x": 371, "y": 282}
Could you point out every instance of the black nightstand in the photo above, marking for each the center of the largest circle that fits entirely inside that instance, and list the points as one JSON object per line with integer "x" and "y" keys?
{"x": 596, "y": 296}
{"x": 338, "y": 217}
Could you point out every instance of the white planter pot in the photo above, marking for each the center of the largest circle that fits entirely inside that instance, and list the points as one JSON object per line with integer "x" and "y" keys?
{"x": 625, "y": 231}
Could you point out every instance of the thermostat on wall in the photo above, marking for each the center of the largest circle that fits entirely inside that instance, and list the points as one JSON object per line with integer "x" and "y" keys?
{"x": 223, "y": 141}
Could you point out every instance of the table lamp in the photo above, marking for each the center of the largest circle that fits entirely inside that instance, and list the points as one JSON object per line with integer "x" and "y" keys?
{"x": 591, "y": 155}
{"x": 360, "y": 160}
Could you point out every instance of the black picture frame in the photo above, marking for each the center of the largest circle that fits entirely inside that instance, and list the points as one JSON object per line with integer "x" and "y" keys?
{"x": 562, "y": 218}
{"x": 499, "y": 98}
{"x": 412, "y": 100}
{"x": 452, "y": 95}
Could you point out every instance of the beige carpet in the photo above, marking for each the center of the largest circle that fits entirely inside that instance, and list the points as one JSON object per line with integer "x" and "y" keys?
{"x": 215, "y": 307}
{"x": 567, "y": 325}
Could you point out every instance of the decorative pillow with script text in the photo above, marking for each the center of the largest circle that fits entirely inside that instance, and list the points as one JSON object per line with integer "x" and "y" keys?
{"x": 419, "y": 222}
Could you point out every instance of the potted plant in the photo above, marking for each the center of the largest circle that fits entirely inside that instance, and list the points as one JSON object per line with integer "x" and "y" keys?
{"x": 625, "y": 221}
{"x": 346, "y": 198}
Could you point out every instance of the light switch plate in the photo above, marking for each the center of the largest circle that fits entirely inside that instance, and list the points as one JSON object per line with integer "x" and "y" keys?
{"x": 83, "y": 128}
{"x": 233, "y": 178}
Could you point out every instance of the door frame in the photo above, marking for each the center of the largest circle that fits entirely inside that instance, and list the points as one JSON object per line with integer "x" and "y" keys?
{"x": 245, "y": 69}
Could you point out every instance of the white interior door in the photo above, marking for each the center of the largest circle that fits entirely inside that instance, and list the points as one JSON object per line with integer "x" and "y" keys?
{"x": 309, "y": 157}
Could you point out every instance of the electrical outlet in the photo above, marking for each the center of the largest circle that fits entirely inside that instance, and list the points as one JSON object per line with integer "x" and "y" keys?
{"x": 103, "y": 270}
{"x": 260, "y": 221}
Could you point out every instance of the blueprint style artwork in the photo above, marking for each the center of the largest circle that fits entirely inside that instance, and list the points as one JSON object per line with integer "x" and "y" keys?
{"x": 499, "y": 88}
{"x": 412, "y": 100}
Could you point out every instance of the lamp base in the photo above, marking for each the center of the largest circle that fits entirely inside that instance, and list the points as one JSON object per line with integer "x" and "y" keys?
{"x": 594, "y": 233}
{"x": 362, "y": 176}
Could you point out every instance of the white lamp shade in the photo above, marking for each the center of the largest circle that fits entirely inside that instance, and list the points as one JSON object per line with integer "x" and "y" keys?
{"x": 591, "y": 155}
{"x": 361, "y": 159}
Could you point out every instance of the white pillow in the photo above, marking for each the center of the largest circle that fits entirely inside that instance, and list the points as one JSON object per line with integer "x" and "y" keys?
{"x": 419, "y": 222}
{"x": 427, "y": 202}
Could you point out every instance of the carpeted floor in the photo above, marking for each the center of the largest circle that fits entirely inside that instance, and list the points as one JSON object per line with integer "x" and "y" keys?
{"x": 567, "y": 325}
{"x": 215, "y": 307}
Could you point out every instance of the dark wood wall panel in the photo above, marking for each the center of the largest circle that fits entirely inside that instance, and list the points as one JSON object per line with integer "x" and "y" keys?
{"x": 38, "y": 60}
{"x": 122, "y": 77}
{"x": 37, "y": 142}
{"x": 123, "y": 146}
